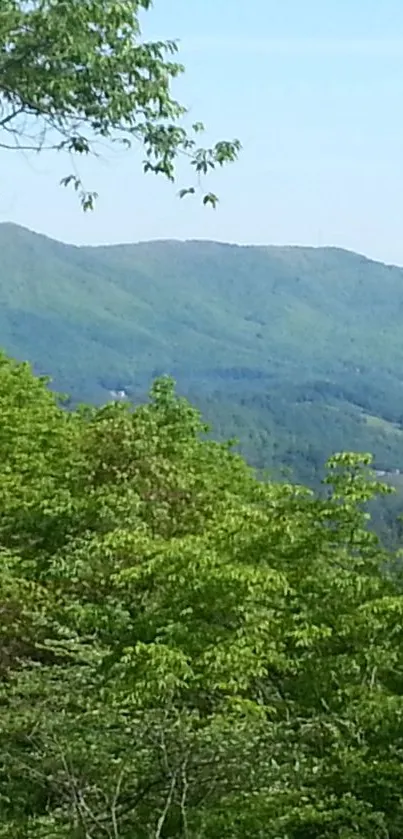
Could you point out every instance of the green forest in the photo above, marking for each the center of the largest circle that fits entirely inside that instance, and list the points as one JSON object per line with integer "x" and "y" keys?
{"x": 201, "y": 610}
{"x": 186, "y": 650}
{"x": 294, "y": 352}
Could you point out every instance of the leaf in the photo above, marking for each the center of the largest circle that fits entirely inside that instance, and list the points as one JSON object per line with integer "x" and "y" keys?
{"x": 190, "y": 191}
{"x": 211, "y": 199}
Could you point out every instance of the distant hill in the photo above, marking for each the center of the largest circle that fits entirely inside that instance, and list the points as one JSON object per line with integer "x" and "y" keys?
{"x": 297, "y": 351}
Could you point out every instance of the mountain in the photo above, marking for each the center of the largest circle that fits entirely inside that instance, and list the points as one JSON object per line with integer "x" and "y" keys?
{"x": 297, "y": 351}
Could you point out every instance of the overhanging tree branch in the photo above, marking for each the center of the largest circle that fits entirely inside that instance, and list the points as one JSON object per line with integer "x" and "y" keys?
{"x": 79, "y": 71}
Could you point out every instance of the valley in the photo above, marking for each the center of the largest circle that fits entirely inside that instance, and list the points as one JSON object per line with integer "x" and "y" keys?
{"x": 295, "y": 352}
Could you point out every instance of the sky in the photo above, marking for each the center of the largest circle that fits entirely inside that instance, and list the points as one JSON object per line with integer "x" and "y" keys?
{"x": 314, "y": 91}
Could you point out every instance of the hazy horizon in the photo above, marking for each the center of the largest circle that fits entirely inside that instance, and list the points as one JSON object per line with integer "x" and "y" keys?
{"x": 271, "y": 245}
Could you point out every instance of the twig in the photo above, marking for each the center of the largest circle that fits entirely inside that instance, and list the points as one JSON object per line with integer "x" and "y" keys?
{"x": 114, "y": 804}
{"x": 168, "y": 802}
{"x": 185, "y": 787}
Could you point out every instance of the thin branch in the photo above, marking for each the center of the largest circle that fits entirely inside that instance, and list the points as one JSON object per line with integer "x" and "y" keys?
{"x": 185, "y": 787}
{"x": 168, "y": 802}
{"x": 97, "y": 820}
{"x": 5, "y": 120}
{"x": 73, "y": 792}
{"x": 36, "y": 148}
{"x": 115, "y": 802}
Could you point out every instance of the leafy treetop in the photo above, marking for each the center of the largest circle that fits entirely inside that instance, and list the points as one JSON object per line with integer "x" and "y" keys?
{"x": 76, "y": 72}
{"x": 185, "y": 651}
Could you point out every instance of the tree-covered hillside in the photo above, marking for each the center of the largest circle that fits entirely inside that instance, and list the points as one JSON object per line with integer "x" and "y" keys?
{"x": 298, "y": 352}
{"x": 187, "y": 652}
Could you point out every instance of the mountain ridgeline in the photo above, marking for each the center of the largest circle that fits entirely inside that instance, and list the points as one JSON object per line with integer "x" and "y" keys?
{"x": 297, "y": 352}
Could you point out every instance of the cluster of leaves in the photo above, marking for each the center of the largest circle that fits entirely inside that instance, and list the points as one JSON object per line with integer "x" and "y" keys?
{"x": 76, "y": 73}
{"x": 186, "y": 651}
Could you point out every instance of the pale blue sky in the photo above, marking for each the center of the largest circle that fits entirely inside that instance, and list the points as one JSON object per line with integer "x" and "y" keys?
{"x": 314, "y": 90}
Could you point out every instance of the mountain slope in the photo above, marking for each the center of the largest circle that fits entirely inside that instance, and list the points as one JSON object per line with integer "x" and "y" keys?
{"x": 298, "y": 351}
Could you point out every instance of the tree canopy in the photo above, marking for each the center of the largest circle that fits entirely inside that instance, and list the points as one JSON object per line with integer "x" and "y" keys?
{"x": 186, "y": 651}
{"x": 76, "y": 72}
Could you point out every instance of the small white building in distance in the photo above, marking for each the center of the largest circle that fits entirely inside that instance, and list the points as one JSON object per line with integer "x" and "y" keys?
{"x": 118, "y": 394}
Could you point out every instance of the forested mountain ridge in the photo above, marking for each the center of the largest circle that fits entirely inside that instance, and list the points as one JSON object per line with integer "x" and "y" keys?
{"x": 297, "y": 351}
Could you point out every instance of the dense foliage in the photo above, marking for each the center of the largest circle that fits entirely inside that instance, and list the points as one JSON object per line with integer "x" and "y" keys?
{"x": 186, "y": 651}
{"x": 297, "y": 352}
{"x": 77, "y": 73}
